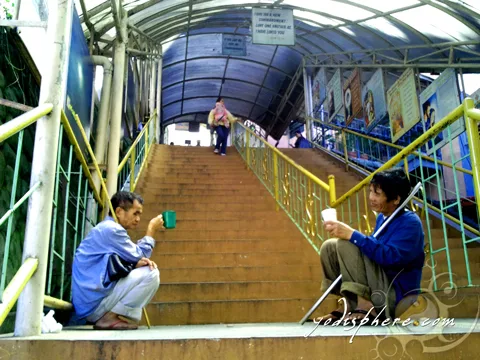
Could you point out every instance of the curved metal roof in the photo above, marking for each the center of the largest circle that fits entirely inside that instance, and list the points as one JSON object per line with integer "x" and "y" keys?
{"x": 195, "y": 72}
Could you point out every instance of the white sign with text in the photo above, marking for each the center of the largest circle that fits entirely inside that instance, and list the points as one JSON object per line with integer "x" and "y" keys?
{"x": 273, "y": 26}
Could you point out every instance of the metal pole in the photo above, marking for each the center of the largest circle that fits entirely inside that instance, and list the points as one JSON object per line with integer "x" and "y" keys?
{"x": 159, "y": 97}
{"x": 308, "y": 110}
{"x": 37, "y": 231}
{"x": 117, "y": 102}
{"x": 153, "y": 86}
{"x": 103, "y": 114}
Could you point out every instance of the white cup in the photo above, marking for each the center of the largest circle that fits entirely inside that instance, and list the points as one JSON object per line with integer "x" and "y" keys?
{"x": 329, "y": 215}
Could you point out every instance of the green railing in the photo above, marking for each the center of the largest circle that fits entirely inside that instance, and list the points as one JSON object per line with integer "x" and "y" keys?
{"x": 72, "y": 191}
{"x": 298, "y": 192}
{"x": 444, "y": 197}
{"x": 136, "y": 156}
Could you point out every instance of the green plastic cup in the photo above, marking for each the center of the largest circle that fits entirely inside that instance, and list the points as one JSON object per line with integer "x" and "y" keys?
{"x": 169, "y": 219}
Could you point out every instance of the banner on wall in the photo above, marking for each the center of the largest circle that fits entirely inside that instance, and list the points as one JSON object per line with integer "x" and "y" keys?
{"x": 436, "y": 101}
{"x": 403, "y": 109}
{"x": 333, "y": 103}
{"x": 476, "y": 99}
{"x": 273, "y": 26}
{"x": 319, "y": 88}
{"x": 79, "y": 82}
{"x": 352, "y": 97}
{"x": 234, "y": 45}
{"x": 182, "y": 126}
{"x": 374, "y": 102}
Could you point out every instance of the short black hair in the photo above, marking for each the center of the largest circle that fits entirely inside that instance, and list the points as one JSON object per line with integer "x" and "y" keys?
{"x": 393, "y": 182}
{"x": 425, "y": 106}
{"x": 219, "y": 99}
{"x": 124, "y": 200}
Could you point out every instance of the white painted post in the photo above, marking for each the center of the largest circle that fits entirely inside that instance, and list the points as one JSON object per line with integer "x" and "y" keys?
{"x": 39, "y": 217}
{"x": 117, "y": 102}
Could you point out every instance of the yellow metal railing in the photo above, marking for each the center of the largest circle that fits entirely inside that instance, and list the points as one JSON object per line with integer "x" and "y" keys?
{"x": 296, "y": 190}
{"x": 300, "y": 193}
{"x": 137, "y": 155}
{"x": 16, "y": 286}
{"x": 353, "y": 204}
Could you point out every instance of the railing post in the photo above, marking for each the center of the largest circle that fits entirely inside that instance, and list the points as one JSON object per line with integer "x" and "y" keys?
{"x": 345, "y": 150}
{"x": 275, "y": 175}
{"x": 117, "y": 109}
{"x": 474, "y": 146}
{"x": 39, "y": 217}
{"x": 158, "y": 124}
{"x": 132, "y": 169}
{"x": 247, "y": 148}
{"x": 147, "y": 141}
{"x": 333, "y": 190}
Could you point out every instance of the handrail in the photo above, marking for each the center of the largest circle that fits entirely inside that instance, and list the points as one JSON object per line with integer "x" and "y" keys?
{"x": 137, "y": 140}
{"x": 422, "y": 139}
{"x": 307, "y": 173}
{"x": 73, "y": 140}
{"x": 55, "y": 303}
{"x": 383, "y": 142}
{"x": 21, "y": 122}
{"x": 94, "y": 161}
{"x": 16, "y": 286}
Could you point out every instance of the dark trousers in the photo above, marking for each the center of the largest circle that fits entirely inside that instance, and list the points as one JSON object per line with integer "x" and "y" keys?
{"x": 360, "y": 275}
{"x": 222, "y": 136}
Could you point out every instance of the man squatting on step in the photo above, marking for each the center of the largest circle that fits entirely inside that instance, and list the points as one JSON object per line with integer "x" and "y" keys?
{"x": 376, "y": 272}
{"x": 116, "y": 304}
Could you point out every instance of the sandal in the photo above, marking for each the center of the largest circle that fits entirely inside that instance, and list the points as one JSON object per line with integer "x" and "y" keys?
{"x": 117, "y": 325}
{"x": 370, "y": 317}
{"x": 336, "y": 315}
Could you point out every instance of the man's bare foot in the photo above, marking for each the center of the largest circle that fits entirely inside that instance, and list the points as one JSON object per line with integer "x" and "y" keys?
{"x": 111, "y": 321}
{"x": 363, "y": 308}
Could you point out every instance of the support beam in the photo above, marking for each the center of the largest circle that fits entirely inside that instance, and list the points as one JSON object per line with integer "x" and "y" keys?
{"x": 103, "y": 114}
{"x": 153, "y": 86}
{"x": 39, "y": 216}
{"x": 117, "y": 102}
{"x": 117, "y": 18}
{"x": 159, "y": 98}
{"x": 23, "y": 23}
{"x": 308, "y": 103}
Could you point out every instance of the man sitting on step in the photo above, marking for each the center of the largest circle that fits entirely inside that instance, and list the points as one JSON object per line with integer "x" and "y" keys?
{"x": 376, "y": 272}
{"x": 116, "y": 303}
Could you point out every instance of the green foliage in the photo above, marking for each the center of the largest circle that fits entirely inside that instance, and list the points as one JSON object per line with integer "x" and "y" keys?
{"x": 6, "y": 9}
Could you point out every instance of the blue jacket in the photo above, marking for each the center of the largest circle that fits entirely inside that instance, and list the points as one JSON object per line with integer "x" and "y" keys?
{"x": 398, "y": 250}
{"x": 90, "y": 282}
{"x": 302, "y": 143}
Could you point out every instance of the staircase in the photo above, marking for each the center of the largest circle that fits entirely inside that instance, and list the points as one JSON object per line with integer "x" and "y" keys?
{"x": 238, "y": 275}
{"x": 232, "y": 257}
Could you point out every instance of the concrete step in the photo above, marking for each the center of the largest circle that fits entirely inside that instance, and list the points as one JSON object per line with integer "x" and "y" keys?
{"x": 238, "y": 223}
{"x": 218, "y": 291}
{"x": 243, "y": 273}
{"x": 227, "y": 246}
{"x": 212, "y": 200}
{"x": 234, "y": 311}
{"x": 209, "y": 190}
{"x": 205, "y": 206}
{"x": 177, "y": 261}
{"x": 230, "y": 180}
{"x": 272, "y": 216}
{"x": 245, "y": 342}
{"x": 243, "y": 234}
